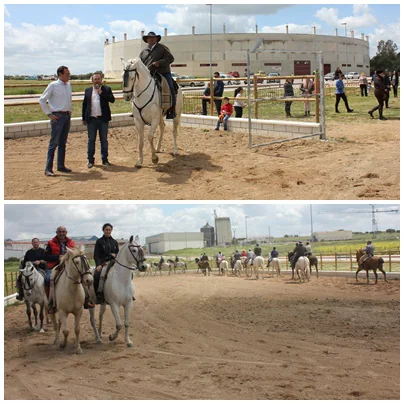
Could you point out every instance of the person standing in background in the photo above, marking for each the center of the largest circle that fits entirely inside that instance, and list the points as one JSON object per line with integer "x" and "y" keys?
{"x": 363, "y": 84}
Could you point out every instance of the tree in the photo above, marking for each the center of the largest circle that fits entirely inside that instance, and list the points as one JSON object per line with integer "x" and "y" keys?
{"x": 386, "y": 57}
{"x": 390, "y": 231}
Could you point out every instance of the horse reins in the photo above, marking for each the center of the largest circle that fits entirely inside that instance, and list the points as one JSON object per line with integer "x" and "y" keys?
{"x": 137, "y": 261}
{"x": 84, "y": 262}
{"x": 26, "y": 281}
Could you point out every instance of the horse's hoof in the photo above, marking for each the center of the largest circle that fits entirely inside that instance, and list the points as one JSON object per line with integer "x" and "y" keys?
{"x": 62, "y": 346}
{"x": 111, "y": 338}
{"x": 129, "y": 344}
{"x": 79, "y": 351}
{"x": 155, "y": 159}
{"x": 41, "y": 330}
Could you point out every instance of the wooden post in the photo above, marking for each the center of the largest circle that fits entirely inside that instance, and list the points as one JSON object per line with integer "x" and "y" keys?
{"x": 211, "y": 96}
{"x": 6, "y": 283}
{"x": 389, "y": 261}
{"x": 350, "y": 258}
{"x": 321, "y": 261}
{"x": 256, "y": 96}
{"x": 317, "y": 91}
{"x": 336, "y": 266}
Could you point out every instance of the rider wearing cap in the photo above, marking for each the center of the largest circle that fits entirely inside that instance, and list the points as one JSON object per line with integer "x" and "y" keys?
{"x": 299, "y": 251}
{"x": 158, "y": 58}
{"x": 369, "y": 253}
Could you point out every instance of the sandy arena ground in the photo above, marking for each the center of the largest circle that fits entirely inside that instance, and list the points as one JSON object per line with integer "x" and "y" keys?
{"x": 223, "y": 338}
{"x": 360, "y": 161}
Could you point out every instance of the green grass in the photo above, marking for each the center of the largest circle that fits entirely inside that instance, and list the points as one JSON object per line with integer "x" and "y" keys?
{"x": 33, "y": 112}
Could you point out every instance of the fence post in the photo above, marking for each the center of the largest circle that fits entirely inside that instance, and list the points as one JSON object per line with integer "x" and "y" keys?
{"x": 256, "y": 96}
{"x": 350, "y": 258}
{"x": 321, "y": 261}
{"x": 336, "y": 266}
{"x": 12, "y": 282}
{"x": 6, "y": 283}
{"x": 389, "y": 261}
{"x": 212, "y": 97}
{"x": 317, "y": 87}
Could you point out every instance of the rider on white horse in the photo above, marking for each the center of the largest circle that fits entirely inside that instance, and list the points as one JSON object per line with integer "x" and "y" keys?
{"x": 36, "y": 255}
{"x": 105, "y": 251}
{"x": 158, "y": 58}
{"x": 274, "y": 254}
{"x": 299, "y": 251}
{"x": 250, "y": 257}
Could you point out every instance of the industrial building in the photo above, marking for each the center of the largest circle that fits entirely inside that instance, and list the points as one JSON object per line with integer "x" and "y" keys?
{"x": 333, "y": 235}
{"x": 229, "y": 52}
{"x": 160, "y": 243}
{"x": 223, "y": 231}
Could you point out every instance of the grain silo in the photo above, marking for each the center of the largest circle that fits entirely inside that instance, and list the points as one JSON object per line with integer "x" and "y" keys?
{"x": 208, "y": 235}
{"x": 223, "y": 230}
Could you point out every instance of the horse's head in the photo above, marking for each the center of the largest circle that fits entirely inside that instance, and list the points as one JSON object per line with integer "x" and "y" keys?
{"x": 28, "y": 274}
{"x": 359, "y": 254}
{"x": 134, "y": 254}
{"x": 79, "y": 262}
{"x": 130, "y": 74}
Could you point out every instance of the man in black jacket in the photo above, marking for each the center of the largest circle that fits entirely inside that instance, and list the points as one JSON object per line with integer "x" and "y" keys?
{"x": 158, "y": 58}
{"x": 299, "y": 251}
{"x": 218, "y": 90}
{"x": 95, "y": 115}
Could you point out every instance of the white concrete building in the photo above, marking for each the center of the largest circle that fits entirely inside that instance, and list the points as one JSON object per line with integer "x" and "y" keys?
{"x": 229, "y": 50}
{"x": 160, "y": 243}
{"x": 333, "y": 235}
{"x": 223, "y": 231}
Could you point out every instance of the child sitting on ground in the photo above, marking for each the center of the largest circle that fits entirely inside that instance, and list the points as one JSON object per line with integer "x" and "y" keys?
{"x": 225, "y": 113}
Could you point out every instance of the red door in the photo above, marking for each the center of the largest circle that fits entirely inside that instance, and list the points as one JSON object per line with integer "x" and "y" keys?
{"x": 327, "y": 69}
{"x": 302, "y": 67}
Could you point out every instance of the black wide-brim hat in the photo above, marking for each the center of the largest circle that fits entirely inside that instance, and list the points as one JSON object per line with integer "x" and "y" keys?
{"x": 151, "y": 34}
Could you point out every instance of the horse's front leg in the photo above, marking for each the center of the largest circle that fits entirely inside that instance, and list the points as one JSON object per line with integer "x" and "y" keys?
{"x": 140, "y": 131}
{"x": 162, "y": 126}
{"x": 127, "y": 309}
{"x": 176, "y": 125}
{"x": 64, "y": 327}
{"x": 34, "y": 309}
{"x": 115, "y": 312}
{"x": 93, "y": 325}
{"x": 28, "y": 311}
{"x": 77, "y": 319}
{"x": 102, "y": 311}
{"x": 152, "y": 130}
{"x": 41, "y": 317}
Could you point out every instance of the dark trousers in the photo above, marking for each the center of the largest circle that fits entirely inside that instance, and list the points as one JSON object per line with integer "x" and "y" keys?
{"x": 379, "y": 106}
{"x": 47, "y": 278}
{"x": 338, "y": 98}
{"x": 239, "y": 112}
{"x": 395, "y": 88}
{"x": 94, "y": 125}
{"x": 287, "y": 107}
{"x": 218, "y": 104}
{"x": 170, "y": 82}
{"x": 59, "y": 132}
{"x": 364, "y": 90}
{"x": 386, "y": 99}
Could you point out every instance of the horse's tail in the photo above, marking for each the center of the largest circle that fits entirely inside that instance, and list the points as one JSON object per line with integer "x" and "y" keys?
{"x": 185, "y": 265}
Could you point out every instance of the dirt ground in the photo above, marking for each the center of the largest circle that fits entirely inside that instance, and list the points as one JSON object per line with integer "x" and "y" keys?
{"x": 217, "y": 337}
{"x": 359, "y": 161}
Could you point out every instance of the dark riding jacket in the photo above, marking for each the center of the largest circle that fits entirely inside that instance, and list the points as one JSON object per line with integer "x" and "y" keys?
{"x": 104, "y": 247}
{"x": 274, "y": 254}
{"x": 33, "y": 255}
{"x": 105, "y": 98}
{"x": 299, "y": 251}
{"x": 257, "y": 251}
{"x": 159, "y": 53}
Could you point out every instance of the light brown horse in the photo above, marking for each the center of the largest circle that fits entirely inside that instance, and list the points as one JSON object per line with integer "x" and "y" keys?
{"x": 371, "y": 264}
{"x": 69, "y": 294}
{"x": 313, "y": 262}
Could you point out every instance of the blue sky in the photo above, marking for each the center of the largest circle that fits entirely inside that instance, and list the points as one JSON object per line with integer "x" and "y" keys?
{"x": 71, "y": 33}
{"x": 27, "y": 221}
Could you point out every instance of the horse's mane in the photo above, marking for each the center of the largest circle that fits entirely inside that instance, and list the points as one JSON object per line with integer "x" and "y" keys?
{"x": 65, "y": 257}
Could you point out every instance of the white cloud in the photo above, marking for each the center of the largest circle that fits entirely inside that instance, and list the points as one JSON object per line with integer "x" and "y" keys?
{"x": 391, "y": 31}
{"x": 132, "y": 27}
{"x": 33, "y": 49}
{"x": 6, "y": 12}
{"x": 328, "y": 15}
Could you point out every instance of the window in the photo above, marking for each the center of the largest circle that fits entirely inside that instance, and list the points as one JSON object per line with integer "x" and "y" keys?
{"x": 206, "y": 64}
{"x": 178, "y": 65}
{"x": 239, "y": 64}
{"x": 272, "y": 64}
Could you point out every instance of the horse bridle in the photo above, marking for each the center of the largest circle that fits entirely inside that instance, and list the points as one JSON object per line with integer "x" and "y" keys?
{"x": 26, "y": 280}
{"x": 138, "y": 262}
{"x": 125, "y": 82}
{"x": 85, "y": 264}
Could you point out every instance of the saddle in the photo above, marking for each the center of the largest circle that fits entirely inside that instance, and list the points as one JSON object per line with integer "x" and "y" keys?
{"x": 164, "y": 88}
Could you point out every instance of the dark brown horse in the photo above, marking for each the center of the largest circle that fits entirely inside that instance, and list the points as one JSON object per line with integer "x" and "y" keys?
{"x": 371, "y": 264}
{"x": 313, "y": 262}
{"x": 203, "y": 266}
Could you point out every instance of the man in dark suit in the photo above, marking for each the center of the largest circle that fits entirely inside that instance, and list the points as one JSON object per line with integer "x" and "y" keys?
{"x": 96, "y": 114}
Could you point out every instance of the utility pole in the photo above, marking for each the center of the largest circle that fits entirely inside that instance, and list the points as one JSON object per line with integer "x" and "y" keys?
{"x": 246, "y": 230}
{"x": 374, "y": 222}
{"x": 269, "y": 234}
{"x": 311, "y": 223}
{"x": 346, "y": 51}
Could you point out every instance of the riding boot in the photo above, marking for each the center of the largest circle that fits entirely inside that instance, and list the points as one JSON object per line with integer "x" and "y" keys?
{"x": 20, "y": 289}
{"x": 52, "y": 300}
{"x": 100, "y": 291}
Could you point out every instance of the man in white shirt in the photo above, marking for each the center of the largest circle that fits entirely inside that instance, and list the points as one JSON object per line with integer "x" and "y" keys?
{"x": 96, "y": 115}
{"x": 56, "y": 102}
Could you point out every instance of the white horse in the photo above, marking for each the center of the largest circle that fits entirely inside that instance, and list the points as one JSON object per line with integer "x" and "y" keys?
{"x": 156, "y": 267}
{"x": 258, "y": 263}
{"x": 69, "y": 293}
{"x": 303, "y": 268}
{"x": 238, "y": 267}
{"x": 140, "y": 87}
{"x": 119, "y": 289}
{"x": 34, "y": 293}
{"x": 223, "y": 267}
{"x": 248, "y": 265}
{"x": 149, "y": 270}
{"x": 275, "y": 265}
{"x": 181, "y": 265}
